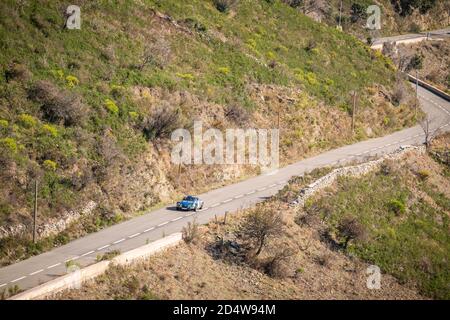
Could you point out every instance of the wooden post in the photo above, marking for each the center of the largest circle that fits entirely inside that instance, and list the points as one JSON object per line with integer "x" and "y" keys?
{"x": 417, "y": 94}
{"x": 278, "y": 120}
{"x": 225, "y": 218}
{"x": 354, "y": 112}
{"x": 35, "y": 211}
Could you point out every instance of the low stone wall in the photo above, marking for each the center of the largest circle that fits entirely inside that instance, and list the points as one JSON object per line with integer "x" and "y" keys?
{"x": 352, "y": 171}
{"x": 77, "y": 277}
{"x": 53, "y": 227}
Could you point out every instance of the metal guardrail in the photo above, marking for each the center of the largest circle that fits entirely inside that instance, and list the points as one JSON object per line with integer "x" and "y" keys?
{"x": 429, "y": 87}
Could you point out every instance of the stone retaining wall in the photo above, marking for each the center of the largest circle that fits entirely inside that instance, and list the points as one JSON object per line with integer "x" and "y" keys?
{"x": 352, "y": 171}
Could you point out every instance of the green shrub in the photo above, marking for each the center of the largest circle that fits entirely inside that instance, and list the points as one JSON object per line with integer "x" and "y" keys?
{"x": 133, "y": 115}
{"x": 58, "y": 74}
{"x": 50, "y": 165}
{"x": 185, "y": 76}
{"x": 397, "y": 206}
{"x": 4, "y": 123}
{"x": 27, "y": 120}
{"x": 111, "y": 106}
{"x": 50, "y": 130}
{"x": 9, "y": 144}
{"x": 423, "y": 174}
{"x": 72, "y": 81}
{"x": 224, "y": 70}
{"x": 224, "y": 5}
{"x": 108, "y": 255}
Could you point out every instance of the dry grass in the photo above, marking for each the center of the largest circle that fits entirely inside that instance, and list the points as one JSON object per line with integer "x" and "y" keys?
{"x": 192, "y": 271}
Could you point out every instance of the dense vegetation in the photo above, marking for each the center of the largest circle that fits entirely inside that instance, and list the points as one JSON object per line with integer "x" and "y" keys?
{"x": 397, "y": 16}
{"x": 396, "y": 218}
{"x": 76, "y": 107}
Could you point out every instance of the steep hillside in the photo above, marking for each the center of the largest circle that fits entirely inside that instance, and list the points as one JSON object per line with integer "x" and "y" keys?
{"x": 396, "y": 216}
{"x": 397, "y": 16}
{"x": 432, "y": 59}
{"x": 88, "y": 113}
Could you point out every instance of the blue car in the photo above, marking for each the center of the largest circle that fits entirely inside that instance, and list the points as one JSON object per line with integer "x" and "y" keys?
{"x": 190, "y": 203}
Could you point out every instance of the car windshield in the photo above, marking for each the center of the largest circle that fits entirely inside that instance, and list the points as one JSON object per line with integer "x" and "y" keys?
{"x": 189, "y": 198}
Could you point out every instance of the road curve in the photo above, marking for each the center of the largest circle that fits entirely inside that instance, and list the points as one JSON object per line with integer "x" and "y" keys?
{"x": 154, "y": 225}
{"x": 435, "y": 34}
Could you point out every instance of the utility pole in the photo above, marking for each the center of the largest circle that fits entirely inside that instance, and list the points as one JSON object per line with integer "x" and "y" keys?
{"x": 340, "y": 16}
{"x": 278, "y": 117}
{"x": 353, "y": 112}
{"x": 35, "y": 210}
{"x": 417, "y": 93}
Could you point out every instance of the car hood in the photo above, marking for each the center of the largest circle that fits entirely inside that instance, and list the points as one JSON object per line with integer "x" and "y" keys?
{"x": 186, "y": 203}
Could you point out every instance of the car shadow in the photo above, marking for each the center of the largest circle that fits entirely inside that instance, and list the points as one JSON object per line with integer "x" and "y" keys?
{"x": 172, "y": 208}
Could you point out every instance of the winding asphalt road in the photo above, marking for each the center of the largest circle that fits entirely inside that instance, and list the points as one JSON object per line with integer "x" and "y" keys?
{"x": 154, "y": 225}
{"x": 435, "y": 34}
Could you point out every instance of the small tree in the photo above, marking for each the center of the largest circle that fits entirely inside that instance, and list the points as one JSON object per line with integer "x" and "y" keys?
{"x": 260, "y": 225}
{"x": 275, "y": 266}
{"x": 416, "y": 62}
{"x": 156, "y": 53}
{"x": 58, "y": 106}
{"x": 162, "y": 121}
{"x": 224, "y": 5}
{"x": 350, "y": 229}
{"x": 430, "y": 134}
{"x": 190, "y": 232}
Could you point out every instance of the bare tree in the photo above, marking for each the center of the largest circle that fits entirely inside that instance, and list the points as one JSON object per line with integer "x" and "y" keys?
{"x": 430, "y": 134}
{"x": 190, "y": 233}
{"x": 58, "y": 106}
{"x": 162, "y": 121}
{"x": 260, "y": 225}
{"x": 276, "y": 265}
{"x": 156, "y": 53}
{"x": 350, "y": 229}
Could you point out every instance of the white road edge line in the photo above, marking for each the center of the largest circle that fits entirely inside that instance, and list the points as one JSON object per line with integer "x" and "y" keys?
{"x": 163, "y": 224}
{"x": 2, "y": 285}
{"x": 71, "y": 259}
{"x": 54, "y": 265}
{"x": 119, "y": 241}
{"x": 18, "y": 279}
{"x": 251, "y": 192}
{"x": 239, "y": 196}
{"x": 149, "y": 229}
{"x": 36, "y": 272}
{"x": 87, "y": 253}
{"x": 104, "y": 247}
{"x": 134, "y": 235}
{"x": 215, "y": 205}
{"x": 176, "y": 219}
{"x": 228, "y": 200}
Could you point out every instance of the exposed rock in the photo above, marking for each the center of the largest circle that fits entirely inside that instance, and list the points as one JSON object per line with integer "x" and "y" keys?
{"x": 54, "y": 225}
